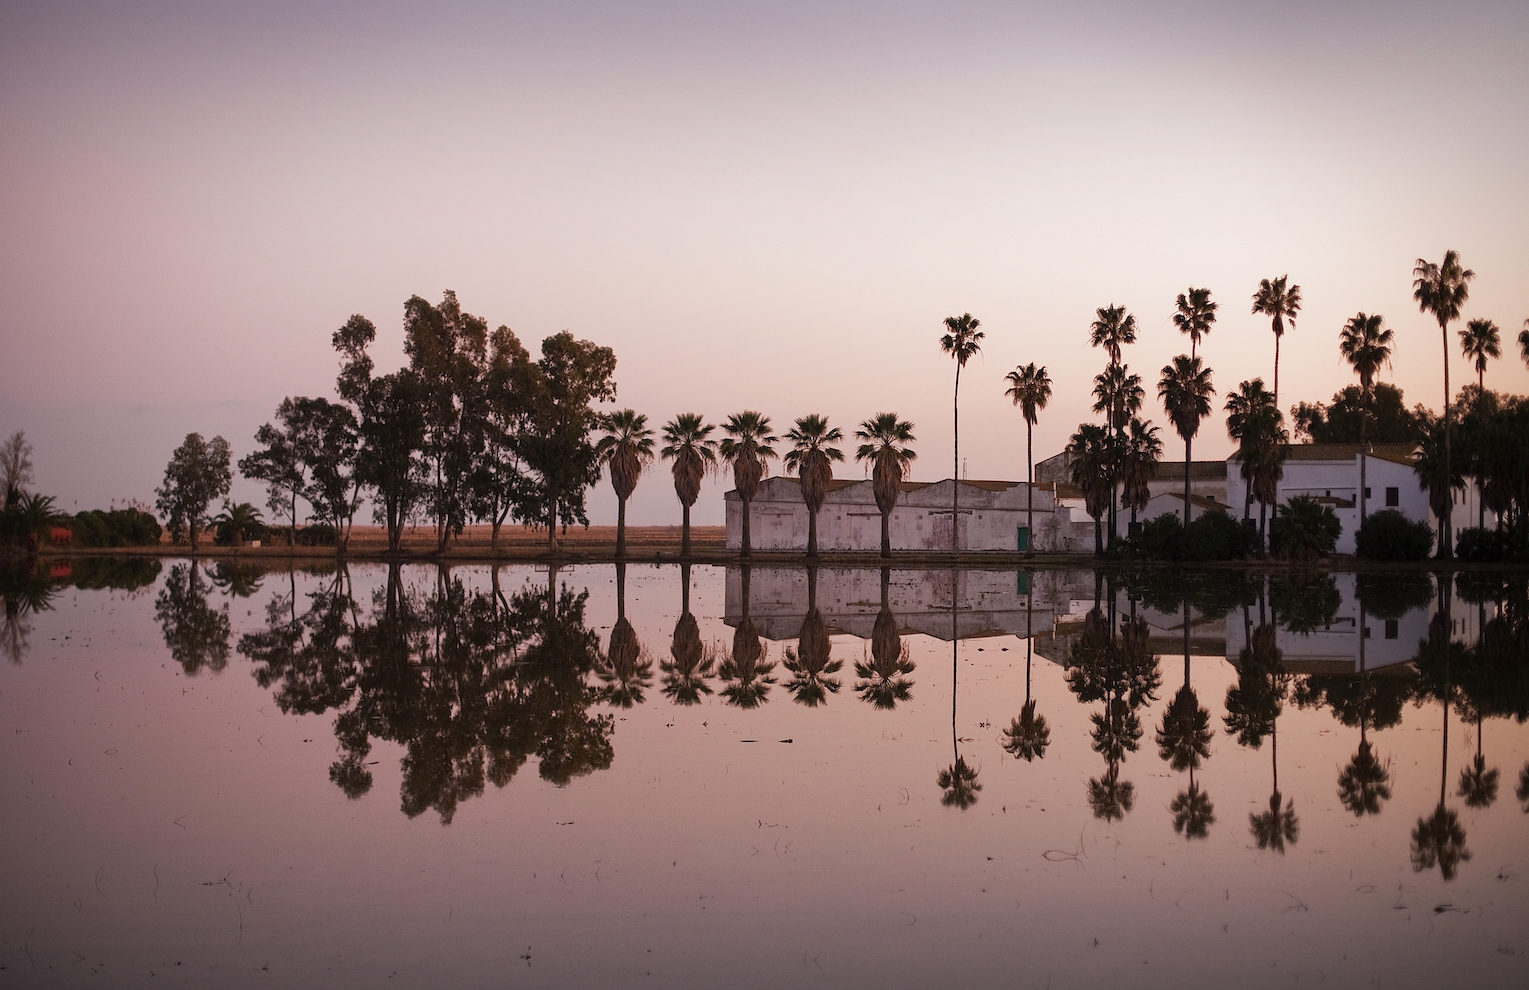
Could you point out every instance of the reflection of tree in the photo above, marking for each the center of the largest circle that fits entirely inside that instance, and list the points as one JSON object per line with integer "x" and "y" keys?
{"x": 1028, "y": 735}
{"x": 1253, "y": 708}
{"x": 810, "y": 663}
{"x": 469, "y": 684}
{"x": 1304, "y": 601}
{"x": 195, "y": 632}
{"x": 1439, "y": 839}
{"x": 957, "y": 782}
{"x": 236, "y": 580}
{"x": 1523, "y": 788}
{"x": 626, "y": 672}
{"x": 685, "y": 676}
{"x": 1365, "y": 783}
{"x": 883, "y": 682}
{"x": 1121, "y": 672}
{"x": 746, "y": 680}
{"x": 1193, "y": 814}
{"x": 1183, "y": 740}
{"x": 26, "y": 591}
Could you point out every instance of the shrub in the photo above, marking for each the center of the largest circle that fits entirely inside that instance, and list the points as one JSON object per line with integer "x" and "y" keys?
{"x": 1389, "y": 535}
{"x": 1482, "y": 545}
{"x": 318, "y": 535}
{"x": 1304, "y": 529}
{"x": 1215, "y": 536}
{"x": 117, "y": 528}
{"x": 1161, "y": 538}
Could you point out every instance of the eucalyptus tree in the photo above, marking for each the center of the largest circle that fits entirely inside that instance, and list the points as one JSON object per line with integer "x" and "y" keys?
{"x": 887, "y": 444}
{"x": 1030, "y": 388}
{"x": 1481, "y": 341}
{"x": 627, "y": 450}
{"x": 962, "y": 340}
{"x": 1279, "y": 301}
{"x": 1441, "y": 290}
{"x": 1365, "y": 343}
{"x": 1112, "y": 329}
{"x": 500, "y": 486}
{"x": 198, "y": 474}
{"x": 748, "y": 444}
{"x": 1194, "y": 314}
{"x": 277, "y": 463}
{"x": 1185, "y": 390}
{"x": 324, "y": 439}
{"x": 1091, "y": 453}
{"x": 811, "y": 456}
{"x": 688, "y": 443}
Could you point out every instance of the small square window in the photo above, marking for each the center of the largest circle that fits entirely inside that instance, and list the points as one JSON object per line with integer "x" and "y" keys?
{"x": 1391, "y": 631}
{"x": 1367, "y": 493}
{"x": 1393, "y": 497}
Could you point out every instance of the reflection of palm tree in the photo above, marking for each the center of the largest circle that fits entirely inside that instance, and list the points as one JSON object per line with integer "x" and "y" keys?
{"x": 26, "y": 593}
{"x": 747, "y": 681}
{"x": 888, "y": 447}
{"x": 1523, "y": 788}
{"x": 236, "y": 580}
{"x": 1183, "y": 738}
{"x": 1478, "y": 784}
{"x": 1110, "y": 797}
{"x": 1275, "y": 827}
{"x": 1253, "y": 710}
{"x": 1366, "y": 782}
{"x": 626, "y": 672}
{"x": 959, "y": 780}
{"x": 883, "y": 682}
{"x": 1193, "y": 813}
{"x": 1124, "y": 676}
{"x": 687, "y": 442}
{"x": 685, "y": 677}
{"x": 811, "y": 664}
{"x": 1439, "y": 840}
{"x": 1028, "y": 735}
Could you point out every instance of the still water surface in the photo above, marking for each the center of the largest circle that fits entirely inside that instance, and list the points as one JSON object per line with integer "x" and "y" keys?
{"x": 505, "y": 777}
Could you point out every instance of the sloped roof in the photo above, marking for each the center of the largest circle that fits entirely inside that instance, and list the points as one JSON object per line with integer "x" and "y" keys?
{"x": 1397, "y": 453}
{"x": 1197, "y": 469}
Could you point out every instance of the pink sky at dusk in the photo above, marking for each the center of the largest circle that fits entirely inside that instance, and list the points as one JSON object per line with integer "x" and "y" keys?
{"x": 756, "y": 207}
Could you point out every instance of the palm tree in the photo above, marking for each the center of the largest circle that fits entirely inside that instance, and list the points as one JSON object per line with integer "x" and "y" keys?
{"x": 748, "y": 444}
{"x": 1030, "y": 388}
{"x": 1195, "y": 314}
{"x": 1112, "y": 330}
{"x": 962, "y": 339}
{"x": 1254, "y": 421}
{"x": 1193, "y": 813}
{"x": 1432, "y": 459}
{"x": 1143, "y": 449}
{"x": 687, "y": 442}
{"x": 1091, "y": 452}
{"x": 886, "y": 446}
{"x": 1481, "y": 341}
{"x": 1523, "y": 342}
{"x": 237, "y": 517}
{"x": 1365, "y": 344}
{"x": 627, "y": 449}
{"x": 812, "y": 457}
{"x": 1118, "y": 395}
{"x": 1278, "y": 303}
{"x": 1441, "y": 290}
{"x": 1185, "y": 390}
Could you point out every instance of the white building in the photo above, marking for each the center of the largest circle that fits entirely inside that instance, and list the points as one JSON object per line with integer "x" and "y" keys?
{"x": 1329, "y": 472}
{"x": 992, "y": 517}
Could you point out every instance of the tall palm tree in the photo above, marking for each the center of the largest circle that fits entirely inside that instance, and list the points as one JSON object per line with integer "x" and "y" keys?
{"x": 1185, "y": 390}
{"x": 1143, "y": 449}
{"x": 811, "y": 456}
{"x": 1117, "y": 394}
{"x": 961, "y": 341}
{"x": 1441, "y": 290}
{"x": 1365, "y": 343}
{"x": 688, "y": 444}
{"x": 748, "y": 444}
{"x": 1253, "y": 420}
{"x": 1091, "y": 452}
{"x": 1280, "y": 303}
{"x": 1480, "y": 341}
{"x": 1030, "y": 388}
{"x": 1112, "y": 330}
{"x": 886, "y": 445}
{"x": 627, "y": 450}
{"x": 1523, "y": 342}
{"x": 1194, "y": 314}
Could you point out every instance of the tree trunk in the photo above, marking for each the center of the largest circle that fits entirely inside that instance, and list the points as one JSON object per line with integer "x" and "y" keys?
{"x": 747, "y": 549}
{"x": 1364, "y": 434}
{"x": 812, "y": 532}
{"x": 685, "y": 531}
{"x": 1446, "y": 521}
{"x": 886, "y": 533}
{"x": 1188, "y": 444}
{"x": 1276, "y": 370}
{"x": 552, "y": 522}
{"x": 1029, "y": 489}
{"x": 292, "y": 533}
{"x": 620, "y": 528}
{"x": 955, "y": 488}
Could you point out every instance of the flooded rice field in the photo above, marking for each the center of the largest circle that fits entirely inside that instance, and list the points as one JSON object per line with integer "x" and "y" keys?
{"x": 767, "y": 777}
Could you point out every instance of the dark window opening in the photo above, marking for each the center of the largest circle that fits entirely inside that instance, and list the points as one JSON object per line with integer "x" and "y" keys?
{"x": 1391, "y": 631}
{"x": 1393, "y": 497}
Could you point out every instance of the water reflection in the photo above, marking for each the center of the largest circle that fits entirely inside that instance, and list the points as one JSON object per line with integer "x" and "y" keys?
{"x": 810, "y": 663}
{"x": 686, "y": 673}
{"x": 746, "y": 678}
{"x": 627, "y": 671}
{"x": 884, "y": 679}
{"x": 958, "y": 782}
{"x": 196, "y": 631}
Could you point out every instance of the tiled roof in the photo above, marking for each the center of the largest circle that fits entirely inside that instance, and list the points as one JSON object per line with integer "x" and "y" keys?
{"x": 1197, "y": 469}
{"x": 1398, "y": 453}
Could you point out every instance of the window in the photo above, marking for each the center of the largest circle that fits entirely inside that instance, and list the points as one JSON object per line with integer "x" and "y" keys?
{"x": 1393, "y": 497}
{"x": 1024, "y": 540}
{"x": 1391, "y": 631}
{"x": 1367, "y": 492}
{"x": 1366, "y": 632}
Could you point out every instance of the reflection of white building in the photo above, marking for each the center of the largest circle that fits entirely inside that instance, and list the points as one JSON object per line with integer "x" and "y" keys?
{"x": 992, "y": 516}
{"x": 1335, "y": 647}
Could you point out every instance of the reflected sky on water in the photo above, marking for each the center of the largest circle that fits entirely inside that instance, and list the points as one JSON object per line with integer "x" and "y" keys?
{"x": 711, "y": 776}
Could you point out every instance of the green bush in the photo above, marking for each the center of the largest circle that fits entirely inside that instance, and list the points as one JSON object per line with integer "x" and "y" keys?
{"x": 1389, "y": 535}
{"x": 1215, "y": 536}
{"x": 318, "y": 535}
{"x": 1161, "y": 538}
{"x": 1304, "y": 529}
{"x": 1483, "y": 545}
{"x": 117, "y": 528}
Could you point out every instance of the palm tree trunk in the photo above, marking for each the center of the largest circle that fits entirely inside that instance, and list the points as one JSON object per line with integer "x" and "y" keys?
{"x": 1446, "y": 522}
{"x": 685, "y": 530}
{"x": 746, "y": 548}
{"x": 620, "y": 528}
{"x": 1187, "y": 447}
{"x": 684, "y": 589}
{"x": 886, "y": 533}
{"x": 1276, "y": 370}
{"x": 1029, "y": 489}
{"x": 812, "y": 532}
{"x": 955, "y": 488}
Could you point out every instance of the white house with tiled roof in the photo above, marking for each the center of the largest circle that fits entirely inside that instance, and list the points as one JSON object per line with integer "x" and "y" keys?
{"x": 1329, "y": 472}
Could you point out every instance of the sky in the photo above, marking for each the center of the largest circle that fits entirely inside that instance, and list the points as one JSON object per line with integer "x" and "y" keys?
{"x": 758, "y": 206}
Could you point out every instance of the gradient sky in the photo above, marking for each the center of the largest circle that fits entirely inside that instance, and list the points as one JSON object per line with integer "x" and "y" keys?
{"x": 758, "y": 206}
